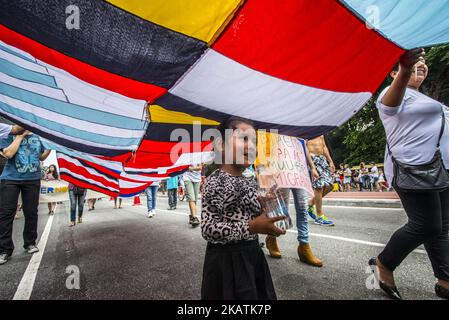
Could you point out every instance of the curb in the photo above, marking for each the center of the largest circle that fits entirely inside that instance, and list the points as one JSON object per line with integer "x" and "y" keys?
{"x": 361, "y": 203}
{"x": 365, "y": 203}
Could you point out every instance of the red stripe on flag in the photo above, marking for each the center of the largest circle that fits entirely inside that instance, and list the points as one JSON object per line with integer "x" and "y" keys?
{"x": 82, "y": 171}
{"x": 159, "y": 154}
{"x": 316, "y": 43}
{"x": 129, "y": 192}
{"x": 84, "y": 184}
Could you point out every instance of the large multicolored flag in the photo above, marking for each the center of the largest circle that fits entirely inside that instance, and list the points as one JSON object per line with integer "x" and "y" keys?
{"x": 82, "y": 74}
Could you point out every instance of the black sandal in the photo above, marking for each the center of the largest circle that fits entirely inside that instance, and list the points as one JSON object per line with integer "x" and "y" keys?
{"x": 441, "y": 291}
{"x": 392, "y": 292}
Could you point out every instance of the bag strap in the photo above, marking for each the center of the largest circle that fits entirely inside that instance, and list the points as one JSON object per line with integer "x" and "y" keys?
{"x": 443, "y": 125}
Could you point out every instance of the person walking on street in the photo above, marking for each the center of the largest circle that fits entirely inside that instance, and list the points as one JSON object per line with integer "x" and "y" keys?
{"x": 22, "y": 174}
{"x": 76, "y": 196}
{"x": 324, "y": 183}
{"x": 415, "y": 124}
{"x": 119, "y": 200}
{"x": 151, "y": 193}
{"x": 51, "y": 175}
{"x": 192, "y": 180}
{"x": 235, "y": 267}
{"x": 91, "y": 204}
{"x": 304, "y": 250}
{"x": 172, "y": 190}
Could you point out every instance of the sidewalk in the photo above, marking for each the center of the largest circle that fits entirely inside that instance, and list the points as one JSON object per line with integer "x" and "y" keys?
{"x": 363, "y": 199}
{"x": 356, "y": 199}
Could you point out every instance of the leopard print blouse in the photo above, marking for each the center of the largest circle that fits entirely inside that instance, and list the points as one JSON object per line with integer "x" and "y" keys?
{"x": 228, "y": 204}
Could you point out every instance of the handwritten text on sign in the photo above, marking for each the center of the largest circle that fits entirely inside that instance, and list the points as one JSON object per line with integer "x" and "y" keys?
{"x": 285, "y": 159}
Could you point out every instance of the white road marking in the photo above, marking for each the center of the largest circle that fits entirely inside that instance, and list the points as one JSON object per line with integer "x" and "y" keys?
{"x": 26, "y": 285}
{"x": 313, "y": 234}
{"x": 368, "y": 243}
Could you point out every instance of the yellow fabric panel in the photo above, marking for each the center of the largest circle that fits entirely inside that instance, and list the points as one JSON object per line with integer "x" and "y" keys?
{"x": 161, "y": 115}
{"x": 266, "y": 142}
{"x": 200, "y": 19}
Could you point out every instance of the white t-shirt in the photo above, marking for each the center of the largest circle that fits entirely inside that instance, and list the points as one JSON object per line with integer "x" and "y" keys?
{"x": 5, "y": 130}
{"x": 194, "y": 176}
{"x": 374, "y": 172}
{"x": 412, "y": 129}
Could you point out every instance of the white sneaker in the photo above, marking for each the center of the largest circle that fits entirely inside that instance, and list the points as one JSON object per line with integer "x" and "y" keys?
{"x": 154, "y": 212}
{"x": 32, "y": 249}
{"x": 150, "y": 214}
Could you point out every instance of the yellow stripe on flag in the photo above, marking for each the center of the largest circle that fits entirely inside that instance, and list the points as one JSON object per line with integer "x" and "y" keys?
{"x": 161, "y": 115}
{"x": 200, "y": 19}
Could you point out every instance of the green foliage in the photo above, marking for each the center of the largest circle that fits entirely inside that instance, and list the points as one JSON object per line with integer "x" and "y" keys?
{"x": 362, "y": 138}
{"x": 437, "y": 83}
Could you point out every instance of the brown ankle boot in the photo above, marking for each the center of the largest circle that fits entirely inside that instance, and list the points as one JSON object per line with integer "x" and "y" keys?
{"x": 272, "y": 247}
{"x": 306, "y": 255}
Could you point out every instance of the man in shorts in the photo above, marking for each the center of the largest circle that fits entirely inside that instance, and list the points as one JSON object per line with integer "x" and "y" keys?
{"x": 324, "y": 183}
{"x": 192, "y": 181}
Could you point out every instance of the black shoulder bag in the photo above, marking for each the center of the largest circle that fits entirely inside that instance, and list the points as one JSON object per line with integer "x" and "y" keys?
{"x": 425, "y": 177}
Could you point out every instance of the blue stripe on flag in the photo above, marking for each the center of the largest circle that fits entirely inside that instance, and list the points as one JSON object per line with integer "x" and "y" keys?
{"x": 15, "y": 53}
{"x": 70, "y": 131}
{"x": 71, "y": 110}
{"x": 410, "y": 24}
{"x": 13, "y": 70}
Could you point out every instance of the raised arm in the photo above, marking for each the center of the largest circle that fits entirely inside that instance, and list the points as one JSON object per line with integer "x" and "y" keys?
{"x": 44, "y": 155}
{"x": 10, "y": 151}
{"x": 17, "y": 130}
{"x": 395, "y": 94}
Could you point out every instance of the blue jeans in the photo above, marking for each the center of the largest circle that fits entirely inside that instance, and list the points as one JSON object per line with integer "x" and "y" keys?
{"x": 300, "y": 198}
{"x": 75, "y": 200}
{"x": 151, "y": 193}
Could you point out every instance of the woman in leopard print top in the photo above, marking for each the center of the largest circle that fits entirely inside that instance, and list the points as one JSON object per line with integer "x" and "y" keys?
{"x": 235, "y": 267}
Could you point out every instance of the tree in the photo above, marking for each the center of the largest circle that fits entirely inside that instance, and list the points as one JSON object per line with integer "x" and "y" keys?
{"x": 437, "y": 83}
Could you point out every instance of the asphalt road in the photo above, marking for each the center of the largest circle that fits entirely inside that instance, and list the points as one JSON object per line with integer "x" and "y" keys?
{"x": 122, "y": 254}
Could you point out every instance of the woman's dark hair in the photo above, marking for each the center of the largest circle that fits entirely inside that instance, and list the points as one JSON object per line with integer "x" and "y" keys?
{"x": 231, "y": 123}
{"x": 55, "y": 172}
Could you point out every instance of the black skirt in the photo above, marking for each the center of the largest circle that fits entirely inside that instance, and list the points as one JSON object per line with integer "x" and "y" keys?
{"x": 237, "y": 271}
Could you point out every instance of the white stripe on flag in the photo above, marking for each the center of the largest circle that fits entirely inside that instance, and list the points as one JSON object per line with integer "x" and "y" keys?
{"x": 224, "y": 85}
{"x": 23, "y": 53}
{"x": 72, "y": 122}
{"x": 92, "y": 171}
{"x": 183, "y": 160}
{"x": 88, "y": 95}
{"x": 21, "y": 62}
{"x": 112, "y": 165}
{"x": 73, "y": 139}
{"x": 87, "y": 180}
{"x": 33, "y": 87}
{"x": 80, "y": 92}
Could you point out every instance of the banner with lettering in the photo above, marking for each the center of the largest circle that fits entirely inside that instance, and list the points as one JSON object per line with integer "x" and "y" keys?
{"x": 284, "y": 159}
{"x": 58, "y": 191}
{"x": 54, "y": 191}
